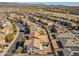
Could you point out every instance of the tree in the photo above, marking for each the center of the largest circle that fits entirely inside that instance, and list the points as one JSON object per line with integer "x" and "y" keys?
{"x": 14, "y": 29}
{"x": 54, "y": 20}
{"x": 41, "y": 32}
{"x": 53, "y": 35}
{"x": 1, "y": 26}
{"x": 21, "y": 42}
{"x": 19, "y": 50}
{"x": 9, "y": 37}
{"x": 74, "y": 27}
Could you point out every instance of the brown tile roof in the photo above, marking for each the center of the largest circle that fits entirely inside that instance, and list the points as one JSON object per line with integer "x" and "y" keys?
{"x": 36, "y": 40}
{"x": 36, "y": 43}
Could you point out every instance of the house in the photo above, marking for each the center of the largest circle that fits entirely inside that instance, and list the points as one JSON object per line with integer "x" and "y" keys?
{"x": 33, "y": 46}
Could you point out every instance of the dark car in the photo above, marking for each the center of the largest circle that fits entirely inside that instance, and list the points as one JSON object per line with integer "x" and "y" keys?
{"x": 22, "y": 31}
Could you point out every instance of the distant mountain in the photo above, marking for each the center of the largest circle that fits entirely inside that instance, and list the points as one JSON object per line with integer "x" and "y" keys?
{"x": 19, "y": 4}
{"x": 30, "y": 4}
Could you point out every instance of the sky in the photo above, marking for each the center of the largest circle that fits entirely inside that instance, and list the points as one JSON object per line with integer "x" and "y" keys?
{"x": 58, "y": 3}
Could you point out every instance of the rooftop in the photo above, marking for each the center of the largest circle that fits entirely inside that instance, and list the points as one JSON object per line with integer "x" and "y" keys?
{"x": 73, "y": 43}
